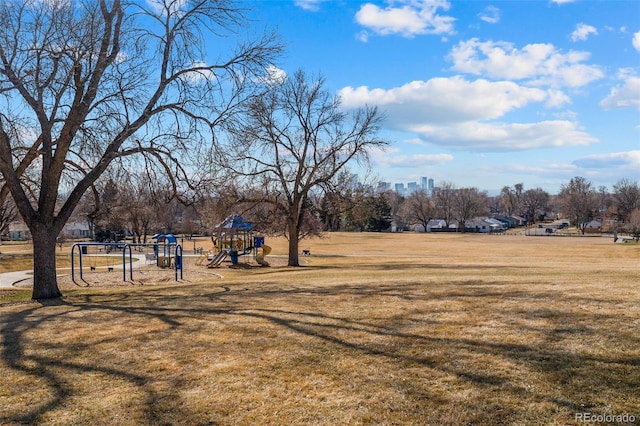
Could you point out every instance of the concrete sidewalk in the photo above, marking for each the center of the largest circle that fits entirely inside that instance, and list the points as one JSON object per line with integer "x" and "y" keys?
{"x": 10, "y": 279}
{"x": 25, "y": 278}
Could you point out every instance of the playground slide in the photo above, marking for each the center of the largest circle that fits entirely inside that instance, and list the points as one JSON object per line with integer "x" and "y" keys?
{"x": 260, "y": 257}
{"x": 217, "y": 259}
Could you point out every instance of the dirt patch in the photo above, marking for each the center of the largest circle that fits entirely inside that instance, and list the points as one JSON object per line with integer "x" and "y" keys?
{"x": 148, "y": 275}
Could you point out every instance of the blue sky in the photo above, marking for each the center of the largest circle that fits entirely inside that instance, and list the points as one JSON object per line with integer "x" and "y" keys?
{"x": 482, "y": 94}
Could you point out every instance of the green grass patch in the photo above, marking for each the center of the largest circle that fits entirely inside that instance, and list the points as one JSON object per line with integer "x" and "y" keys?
{"x": 10, "y": 296}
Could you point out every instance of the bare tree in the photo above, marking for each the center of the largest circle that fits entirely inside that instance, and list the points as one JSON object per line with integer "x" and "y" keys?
{"x": 510, "y": 199}
{"x": 338, "y": 199}
{"x": 140, "y": 207}
{"x": 534, "y": 202}
{"x": 469, "y": 203}
{"x": 633, "y": 224}
{"x": 626, "y": 198}
{"x": 107, "y": 80}
{"x": 297, "y": 138}
{"x": 444, "y": 201}
{"x": 579, "y": 202}
{"x": 418, "y": 207}
{"x": 8, "y": 213}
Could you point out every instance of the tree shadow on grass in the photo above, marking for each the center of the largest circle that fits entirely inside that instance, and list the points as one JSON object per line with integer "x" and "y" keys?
{"x": 20, "y": 357}
{"x": 574, "y": 378}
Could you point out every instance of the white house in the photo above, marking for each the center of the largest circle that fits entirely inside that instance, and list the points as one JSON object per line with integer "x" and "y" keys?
{"x": 477, "y": 225}
{"x": 76, "y": 230}
{"x": 18, "y": 231}
{"x": 436, "y": 225}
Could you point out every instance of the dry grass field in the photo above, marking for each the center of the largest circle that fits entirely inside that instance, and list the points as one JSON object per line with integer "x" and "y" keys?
{"x": 379, "y": 329}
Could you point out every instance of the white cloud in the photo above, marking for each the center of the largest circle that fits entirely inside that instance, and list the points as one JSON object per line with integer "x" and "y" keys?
{"x": 200, "y": 73}
{"x": 582, "y": 32}
{"x": 461, "y": 114}
{"x": 505, "y": 137}
{"x": 311, "y": 5}
{"x": 636, "y": 41}
{"x": 445, "y": 100}
{"x": 623, "y": 96}
{"x": 562, "y": 1}
{"x": 538, "y": 64}
{"x": 363, "y": 36}
{"x": 490, "y": 14}
{"x": 273, "y": 75}
{"x": 629, "y": 159}
{"x": 556, "y": 99}
{"x": 406, "y": 17}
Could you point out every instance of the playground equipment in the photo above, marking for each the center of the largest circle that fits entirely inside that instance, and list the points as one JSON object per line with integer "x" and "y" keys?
{"x": 217, "y": 259}
{"x": 166, "y": 251}
{"x": 166, "y": 245}
{"x": 109, "y": 248}
{"x": 234, "y": 237}
{"x": 261, "y": 250}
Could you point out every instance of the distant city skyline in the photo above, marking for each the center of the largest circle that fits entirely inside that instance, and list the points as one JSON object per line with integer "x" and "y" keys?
{"x": 426, "y": 184}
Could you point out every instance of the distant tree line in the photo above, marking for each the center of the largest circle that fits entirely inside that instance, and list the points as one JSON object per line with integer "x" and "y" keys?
{"x": 136, "y": 207}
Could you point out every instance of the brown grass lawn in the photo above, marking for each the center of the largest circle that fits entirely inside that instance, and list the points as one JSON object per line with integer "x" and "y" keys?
{"x": 376, "y": 329}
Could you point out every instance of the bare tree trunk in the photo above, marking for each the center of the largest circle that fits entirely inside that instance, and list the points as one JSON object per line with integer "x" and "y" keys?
{"x": 294, "y": 257}
{"x": 45, "y": 284}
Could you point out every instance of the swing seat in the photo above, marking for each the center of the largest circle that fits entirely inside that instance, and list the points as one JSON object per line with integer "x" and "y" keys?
{"x": 150, "y": 258}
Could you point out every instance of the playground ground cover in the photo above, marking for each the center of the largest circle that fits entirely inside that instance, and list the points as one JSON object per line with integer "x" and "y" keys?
{"x": 375, "y": 329}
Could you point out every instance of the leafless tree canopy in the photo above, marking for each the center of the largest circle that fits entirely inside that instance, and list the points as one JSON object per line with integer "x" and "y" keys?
{"x": 579, "y": 201}
{"x": 296, "y": 138}
{"x": 85, "y": 83}
{"x": 626, "y": 198}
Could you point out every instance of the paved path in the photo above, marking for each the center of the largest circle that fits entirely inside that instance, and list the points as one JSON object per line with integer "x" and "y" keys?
{"x": 25, "y": 278}
{"x": 9, "y": 279}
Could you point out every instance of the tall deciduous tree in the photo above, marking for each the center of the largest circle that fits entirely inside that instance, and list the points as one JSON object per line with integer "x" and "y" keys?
{"x": 419, "y": 208}
{"x": 633, "y": 224}
{"x": 88, "y": 83}
{"x": 510, "y": 199}
{"x": 469, "y": 203}
{"x": 443, "y": 197}
{"x": 626, "y": 198}
{"x": 298, "y": 138}
{"x": 579, "y": 201}
{"x": 534, "y": 202}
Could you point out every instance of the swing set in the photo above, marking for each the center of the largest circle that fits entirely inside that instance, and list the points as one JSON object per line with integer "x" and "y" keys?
{"x": 166, "y": 253}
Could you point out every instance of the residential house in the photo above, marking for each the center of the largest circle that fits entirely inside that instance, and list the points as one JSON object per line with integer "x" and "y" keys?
{"x": 18, "y": 231}
{"x": 436, "y": 225}
{"x": 593, "y": 227}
